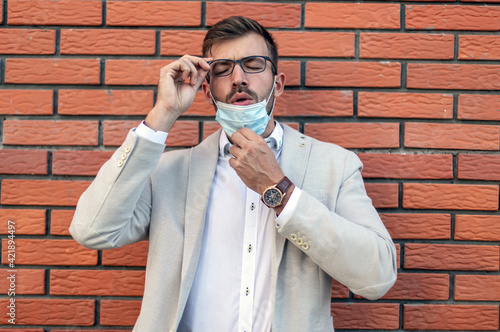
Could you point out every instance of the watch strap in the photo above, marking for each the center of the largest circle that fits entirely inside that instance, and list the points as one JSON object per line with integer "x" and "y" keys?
{"x": 284, "y": 184}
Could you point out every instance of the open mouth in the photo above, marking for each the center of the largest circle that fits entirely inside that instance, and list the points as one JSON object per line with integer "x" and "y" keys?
{"x": 241, "y": 99}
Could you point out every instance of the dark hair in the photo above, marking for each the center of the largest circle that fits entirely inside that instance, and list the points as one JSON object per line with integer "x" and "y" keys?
{"x": 235, "y": 27}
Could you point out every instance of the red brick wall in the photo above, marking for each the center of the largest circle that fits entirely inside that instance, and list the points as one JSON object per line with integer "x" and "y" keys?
{"x": 412, "y": 87}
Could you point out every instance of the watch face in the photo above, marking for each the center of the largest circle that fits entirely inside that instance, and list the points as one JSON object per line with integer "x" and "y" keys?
{"x": 272, "y": 197}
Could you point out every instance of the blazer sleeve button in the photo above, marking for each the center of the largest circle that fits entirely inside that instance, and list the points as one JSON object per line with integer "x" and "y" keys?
{"x": 293, "y": 236}
{"x": 300, "y": 241}
{"x": 305, "y": 246}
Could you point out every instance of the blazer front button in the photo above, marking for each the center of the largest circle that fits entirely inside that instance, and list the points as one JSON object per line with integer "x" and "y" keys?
{"x": 300, "y": 241}
{"x": 293, "y": 237}
{"x": 305, "y": 246}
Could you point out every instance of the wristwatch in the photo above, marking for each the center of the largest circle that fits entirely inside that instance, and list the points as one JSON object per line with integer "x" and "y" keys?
{"x": 273, "y": 195}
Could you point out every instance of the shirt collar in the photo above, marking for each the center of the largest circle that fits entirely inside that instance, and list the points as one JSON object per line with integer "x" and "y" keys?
{"x": 274, "y": 141}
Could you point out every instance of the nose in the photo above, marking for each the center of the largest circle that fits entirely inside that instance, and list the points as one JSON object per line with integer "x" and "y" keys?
{"x": 238, "y": 77}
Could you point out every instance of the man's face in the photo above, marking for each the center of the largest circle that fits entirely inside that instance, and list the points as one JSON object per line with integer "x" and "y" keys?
{"x": 240, "y": 88}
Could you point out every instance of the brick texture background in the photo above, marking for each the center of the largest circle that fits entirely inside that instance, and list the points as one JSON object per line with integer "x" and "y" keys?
{"x": 413, "y": 87}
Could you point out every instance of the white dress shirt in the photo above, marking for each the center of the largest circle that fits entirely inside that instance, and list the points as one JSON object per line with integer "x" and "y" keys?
{"x": 232, "y": 286}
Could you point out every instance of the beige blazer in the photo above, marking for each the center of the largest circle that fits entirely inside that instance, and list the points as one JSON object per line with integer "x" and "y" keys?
{"x": 335, "y": 231}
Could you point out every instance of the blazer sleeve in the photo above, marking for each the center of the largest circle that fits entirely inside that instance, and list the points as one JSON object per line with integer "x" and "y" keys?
{"x": 344, "y": 234}
{"x": 115, "y": 209}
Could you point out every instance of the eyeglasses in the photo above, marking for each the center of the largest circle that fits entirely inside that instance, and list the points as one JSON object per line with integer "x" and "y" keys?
{"x": 251, "y": 65}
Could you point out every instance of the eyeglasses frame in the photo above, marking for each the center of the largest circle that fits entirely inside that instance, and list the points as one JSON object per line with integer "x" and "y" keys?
{"x": 266, "y": 58}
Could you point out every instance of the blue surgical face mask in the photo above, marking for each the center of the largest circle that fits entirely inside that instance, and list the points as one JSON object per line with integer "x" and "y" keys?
{"x": 233, "y": 117}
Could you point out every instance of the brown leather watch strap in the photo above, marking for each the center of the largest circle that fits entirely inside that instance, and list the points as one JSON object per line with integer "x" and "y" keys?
{"x": 284, "y": 184}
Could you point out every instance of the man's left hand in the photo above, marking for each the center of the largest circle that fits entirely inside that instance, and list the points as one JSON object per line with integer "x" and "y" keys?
{"x": 254, "y": 161}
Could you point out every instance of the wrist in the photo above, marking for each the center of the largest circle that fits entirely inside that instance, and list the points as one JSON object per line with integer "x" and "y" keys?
{"x": 159, "y": 120}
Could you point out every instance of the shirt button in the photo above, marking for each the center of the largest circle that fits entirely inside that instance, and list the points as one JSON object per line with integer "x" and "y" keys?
{"x": 252, "y": 206}
{"x": 249, "y": 248}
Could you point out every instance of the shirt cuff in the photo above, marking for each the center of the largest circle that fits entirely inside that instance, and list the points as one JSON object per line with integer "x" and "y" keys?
{"x": 289, "y": 208}
{"x": 144, "y": 131}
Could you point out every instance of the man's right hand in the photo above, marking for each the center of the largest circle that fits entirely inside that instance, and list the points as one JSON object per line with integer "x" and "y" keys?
{"x": 177, "y": 87}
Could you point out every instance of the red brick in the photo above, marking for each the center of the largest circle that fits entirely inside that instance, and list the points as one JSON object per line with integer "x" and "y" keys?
{"x": 450, "y": 196}
{"x": 209, "y": 127}
{"x": 420, "y": 286}
{"x": 24, "y": 102}
{"x": 47, "y": 132}
{"x": 153, "y": 13}
{"x": 29, "y": 282}
{"x": 54, "y": 12}
{"x": 383, "y": 195}
{"x": 42, "y": 192}
{"x": 453, "y": 76}
{"x": 109, "y": 41}
{"x": 417, "y": 226}
{"x": 356, "y": 135}
{"x": 478, "y": 107}
{"x": 291, "y": 69}
{"x": 270, "y": 15}
{"x": 183, "y": 133}
{"x": 352, "y": 15}
{"x": 451, "y": 257}
{"x": 26, "y": 221}
{"x": 52, "y": 71}
{"x": 23, "y": 330}
{"x": 478, "y": 167}
{"x": 119, "y": 312}
{"x": 315, "y": 44}
{"x": 384, "y": 316}
{"x": 50, "y": 252}
{"x": 455, "y": 317}
{"x": 60, "y": 221}
{"x": 355, "y": 74}
{"x": 477, "y": 227}
{"x": 407, "y": 166}
{"x": 339, "y": 291}
{"x": 40, "y": 311}
{"x": 477, "y": 288}
{"x": 324, "y": 103}
{"x": 96, "y": 282}
{"x": 131, "y": 255}
{"x": 406, "y": 46}
{"x": 451, "y": 136}
{"x": 23, "y": 161}
{"x": 105, "y": 102}
{"x": 27, "y": 41}
{"x": 78, "y": 162}
{"x": 405, "y": 105}
{"x": 477, "y": 47}
{"x": 133, "y": 72}
{"x": 200, "y": 107}
{"x": 452, "y": 17}
{"x": 180, "y": 42}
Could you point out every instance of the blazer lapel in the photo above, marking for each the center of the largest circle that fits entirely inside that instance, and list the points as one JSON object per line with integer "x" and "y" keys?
{"x": 201, "y": 173}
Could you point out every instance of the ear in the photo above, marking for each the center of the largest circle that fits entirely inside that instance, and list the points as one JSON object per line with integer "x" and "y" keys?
{"x": 206, "y": 92}
{"x": 280, "y": 84}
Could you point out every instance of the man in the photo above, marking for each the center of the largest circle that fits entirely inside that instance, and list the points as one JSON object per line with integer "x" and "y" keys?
{"x": 246, "y": 229}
